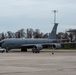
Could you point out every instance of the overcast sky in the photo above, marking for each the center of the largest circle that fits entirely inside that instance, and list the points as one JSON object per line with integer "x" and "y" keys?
{"x": 37, "y": 14}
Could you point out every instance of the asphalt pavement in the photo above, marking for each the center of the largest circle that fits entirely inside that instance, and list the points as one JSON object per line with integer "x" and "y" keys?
{"x": 45, "y": 63}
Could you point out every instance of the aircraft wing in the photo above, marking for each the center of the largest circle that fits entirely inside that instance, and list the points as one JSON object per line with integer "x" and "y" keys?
{"x": 28, "y": 45}
{"x": 44, "y": 45}
{"x": 33, "y": 46}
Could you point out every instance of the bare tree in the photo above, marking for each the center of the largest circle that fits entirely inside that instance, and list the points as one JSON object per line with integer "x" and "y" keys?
{"x": 45, "y": 35}
{"x": 60, "y": 35}
{"x": 20, "y": 33}
{"x": 3, "y": 36}
{"x": 9, "y": 34}
{"x": 71, "y": 37}
{"x": 41, "y": 35}
{"x": 29, "y": 33}
{"x": 66, "y": 35}
{"x": 6, "y": 35}
{"x": 36, "y": 33}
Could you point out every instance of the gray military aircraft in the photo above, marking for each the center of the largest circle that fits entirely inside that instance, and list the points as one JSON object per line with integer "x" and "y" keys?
{"x": 35, "y": 44}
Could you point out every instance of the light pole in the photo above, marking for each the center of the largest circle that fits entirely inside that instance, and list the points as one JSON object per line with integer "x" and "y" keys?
{"x": 55, "y": 11}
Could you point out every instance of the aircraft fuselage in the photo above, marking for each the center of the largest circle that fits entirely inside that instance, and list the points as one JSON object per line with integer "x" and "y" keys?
{"x": 17, "y": 43}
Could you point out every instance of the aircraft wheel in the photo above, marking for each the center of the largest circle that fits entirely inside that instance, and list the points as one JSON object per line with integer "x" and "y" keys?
{"x": 35, "y": 51}
{"x": 23, "y": 50}
{"x": 7, "y": 49}
{"x": 38, "y": 51}
{"x": 3, "y": 51}
{"x": 32, "y": 51}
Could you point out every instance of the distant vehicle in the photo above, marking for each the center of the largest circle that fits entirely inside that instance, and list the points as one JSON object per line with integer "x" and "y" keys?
{"x": 2, "y": 50}
{"x": 35, "y": 44}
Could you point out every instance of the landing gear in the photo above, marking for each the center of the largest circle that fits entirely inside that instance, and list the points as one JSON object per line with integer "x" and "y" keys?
{"x": 35, "y": 50}
{"x": 3, "y": 51}
{"x": 23, "y": 50}
{"x": 7, "y": 49}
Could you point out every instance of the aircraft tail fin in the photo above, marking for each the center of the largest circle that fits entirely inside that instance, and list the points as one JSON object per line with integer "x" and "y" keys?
{"x": 52, "y": 35}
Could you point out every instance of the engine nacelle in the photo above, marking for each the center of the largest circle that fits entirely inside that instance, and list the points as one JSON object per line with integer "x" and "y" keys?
{"x": 56, "y": 46}
{"x": 38, "y": 47}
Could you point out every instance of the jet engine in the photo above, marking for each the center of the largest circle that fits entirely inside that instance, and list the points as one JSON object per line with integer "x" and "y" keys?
{"x": 37, "y": 48}
{"x": 56, "y": 46}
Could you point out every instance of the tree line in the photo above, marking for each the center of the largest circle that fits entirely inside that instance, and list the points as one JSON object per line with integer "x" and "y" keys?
{"x": 30, "y": 33}
{"x": 22, "y": 33}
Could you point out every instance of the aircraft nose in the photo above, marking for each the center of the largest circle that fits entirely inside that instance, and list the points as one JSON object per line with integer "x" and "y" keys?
{"x": 1, "y": 42}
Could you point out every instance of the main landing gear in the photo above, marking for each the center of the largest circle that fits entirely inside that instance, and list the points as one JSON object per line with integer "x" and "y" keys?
{"x": 35, "y": 51}
{"x": 23, "y": 50}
